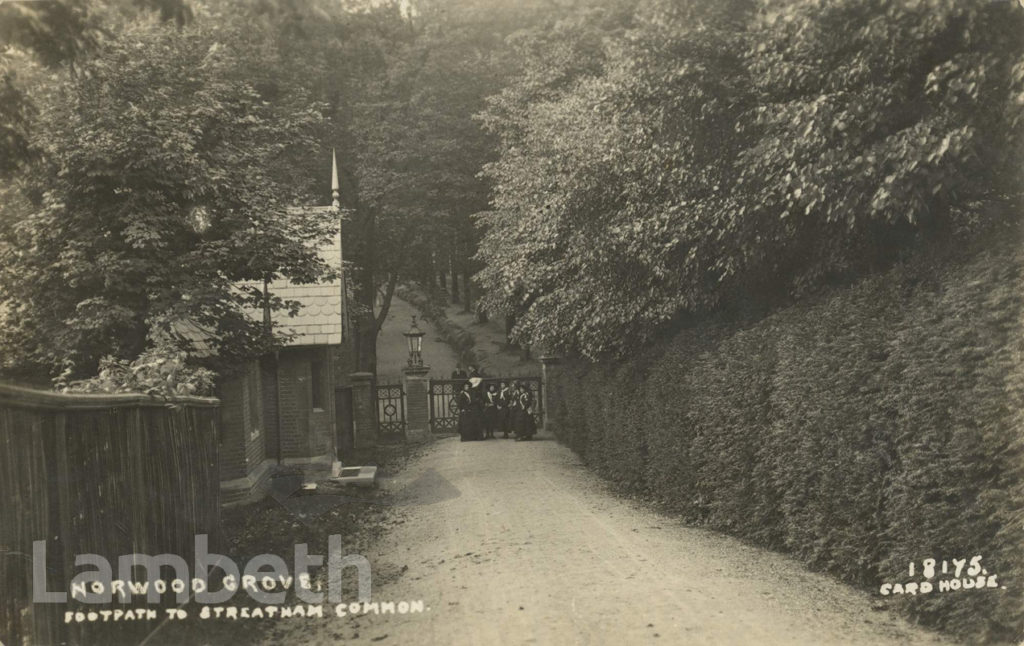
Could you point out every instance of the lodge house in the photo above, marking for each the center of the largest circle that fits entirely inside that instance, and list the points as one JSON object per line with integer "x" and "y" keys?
{"x": 292, "y": 409}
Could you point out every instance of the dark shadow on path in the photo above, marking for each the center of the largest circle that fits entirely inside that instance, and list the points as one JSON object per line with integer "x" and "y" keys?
{"x": 428, "y": 489}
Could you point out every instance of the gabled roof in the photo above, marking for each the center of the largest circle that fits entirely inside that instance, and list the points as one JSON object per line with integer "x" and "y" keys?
{"x": 319, "y": 319}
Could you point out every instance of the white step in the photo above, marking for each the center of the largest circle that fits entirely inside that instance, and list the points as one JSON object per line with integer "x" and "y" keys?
{"x": 360, "y": 476}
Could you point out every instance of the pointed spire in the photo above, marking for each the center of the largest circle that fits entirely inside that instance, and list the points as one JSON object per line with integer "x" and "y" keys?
{"x": 335, "y": 197}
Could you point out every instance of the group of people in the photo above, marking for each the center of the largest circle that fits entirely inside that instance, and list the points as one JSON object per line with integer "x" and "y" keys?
{"x": 507, "y": 409}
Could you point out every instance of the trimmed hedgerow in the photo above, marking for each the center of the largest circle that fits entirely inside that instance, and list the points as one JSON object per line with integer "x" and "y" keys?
{"x": 870, "y": 427}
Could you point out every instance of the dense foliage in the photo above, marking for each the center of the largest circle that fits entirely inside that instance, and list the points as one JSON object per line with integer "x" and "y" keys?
{"x": 162, "y": 139}
{"x": 860, "y": 430}
{"x": 681, "y": 157}
{"x": 160, "y": 371}
{"x": 642, "y": 163}
{"x": 152, "y": 197}
{"x": 419, "y": 148}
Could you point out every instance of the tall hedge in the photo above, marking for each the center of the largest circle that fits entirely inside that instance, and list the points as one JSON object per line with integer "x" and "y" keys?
{"x": 875, "y": 425}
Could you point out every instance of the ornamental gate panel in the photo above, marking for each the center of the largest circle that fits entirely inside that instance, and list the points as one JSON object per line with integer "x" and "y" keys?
{"x": 444, "y": 409}
{"x": 390, "y": 413}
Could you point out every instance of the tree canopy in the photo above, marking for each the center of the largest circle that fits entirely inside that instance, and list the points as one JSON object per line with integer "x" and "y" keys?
{"x": 676, "y": 158}
{"x": 153, "y": 195}
{"x": 151, "y": 157}
{"x": 605, "y": 167}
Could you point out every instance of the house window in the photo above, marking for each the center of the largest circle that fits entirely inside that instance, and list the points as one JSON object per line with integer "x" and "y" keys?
{"x": 317, "y": 383}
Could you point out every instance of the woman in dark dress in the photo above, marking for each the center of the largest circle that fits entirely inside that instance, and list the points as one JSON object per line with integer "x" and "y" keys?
{"x": 464, "y": 399}
{"x": 514, "y": 411}
{"x": 477, "y": 399}
{"x": 491, "y": 413}
{"x": 504, "y": 399}
{"x": 526, "y": 427}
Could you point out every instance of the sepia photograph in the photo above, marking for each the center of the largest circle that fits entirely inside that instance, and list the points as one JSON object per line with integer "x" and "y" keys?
{"x": 511, "y": 322}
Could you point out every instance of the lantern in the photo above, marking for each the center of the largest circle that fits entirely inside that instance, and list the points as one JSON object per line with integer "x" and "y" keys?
{"x": 415, "y": 339}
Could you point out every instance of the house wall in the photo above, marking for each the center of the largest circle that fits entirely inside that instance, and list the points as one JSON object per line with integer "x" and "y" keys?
{"x": 242, "y": 445}
{"x": 269, "y": 386}
{"x": 232, "y": 449}
{"x": 306, "y": 431}
{"x": 268, "y": 417}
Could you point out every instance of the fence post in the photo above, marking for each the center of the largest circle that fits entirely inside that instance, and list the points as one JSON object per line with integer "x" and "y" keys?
{"x": 364, "y": 410}
{"x": 551, "y": 389}
{"x": 417, "y": 398}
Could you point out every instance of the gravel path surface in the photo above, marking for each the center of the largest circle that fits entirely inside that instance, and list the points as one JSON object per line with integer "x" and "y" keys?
{"x": 517, "y": 543}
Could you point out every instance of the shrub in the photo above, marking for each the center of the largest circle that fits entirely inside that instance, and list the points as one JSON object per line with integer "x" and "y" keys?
{"x": 158, "y": 372}
{"x": 869, "y": 427}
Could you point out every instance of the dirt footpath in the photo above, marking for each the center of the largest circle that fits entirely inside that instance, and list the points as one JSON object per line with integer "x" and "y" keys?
{"x": 517, "y": 543}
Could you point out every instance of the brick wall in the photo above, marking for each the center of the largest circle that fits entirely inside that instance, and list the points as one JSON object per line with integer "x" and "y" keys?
{"x": 293, "y": 398}
{"x": 242, "y": 436}
{"x": 232, "y": 445}
{"x": 255, "y": 427}
{"x": 323, "y": 423}
{"x": 267, "y": 406}
{"x": 417, "y": 400}
{"x": 306, "y": 431}
{"x": 268, "y": 383}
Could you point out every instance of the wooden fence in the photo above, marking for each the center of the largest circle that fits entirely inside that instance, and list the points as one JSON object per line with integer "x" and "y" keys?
{"x": 103, "y": 474}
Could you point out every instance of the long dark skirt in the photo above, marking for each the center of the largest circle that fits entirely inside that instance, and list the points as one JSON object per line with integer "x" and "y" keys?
{"x": 470, "y": 425}
{"x": 514, "y": 414}
{"x": 525, "y": 425}
{"x": 492, "y": 420}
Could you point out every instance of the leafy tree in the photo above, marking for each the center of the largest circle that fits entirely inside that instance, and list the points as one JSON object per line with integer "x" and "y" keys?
{"x": 56, "y": 33}
{"x": 418, "y": 149}
{"x": 687, "y": 157}
{"x": 153, "y": 198}
{"x": 600, "y": 149}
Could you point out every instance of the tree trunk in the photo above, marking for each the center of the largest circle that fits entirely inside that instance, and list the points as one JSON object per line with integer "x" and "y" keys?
{"x": 366, "y": 343}
{"x": 510, "y": 322}
{"x": 436, "y": 273}
{"x": 365, "y": 295}
{"x": 455, "y": 281}
{"x": 363, "y": 230}
{"x": 467, "y": 304}
{"x": 368, "y": 327}
{"x": 385, "y": 303}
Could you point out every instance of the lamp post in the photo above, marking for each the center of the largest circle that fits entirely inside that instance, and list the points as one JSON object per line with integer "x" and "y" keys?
{"x": 416, "y": 384}
{"x": 415, "y": 339}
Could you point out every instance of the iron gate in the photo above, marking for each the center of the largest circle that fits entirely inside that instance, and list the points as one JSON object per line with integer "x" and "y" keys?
{"x": 444, "y": 409}
{"x": 390, "y": 413}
